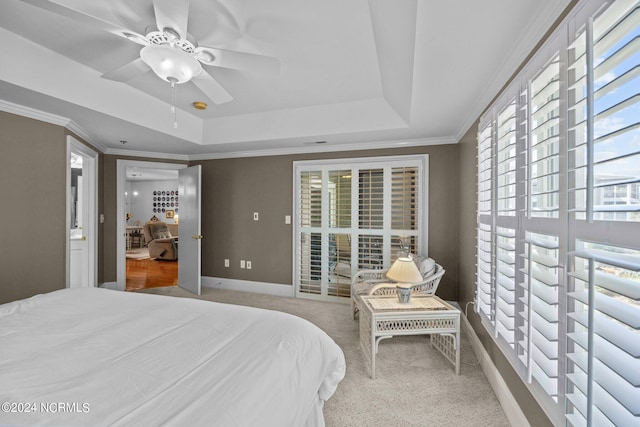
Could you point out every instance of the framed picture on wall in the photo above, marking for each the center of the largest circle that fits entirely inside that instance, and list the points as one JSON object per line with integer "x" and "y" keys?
{"x": 169, "y": 214}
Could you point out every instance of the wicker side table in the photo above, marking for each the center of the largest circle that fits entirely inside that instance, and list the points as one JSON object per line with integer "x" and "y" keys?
{"x": 383, "y": 317}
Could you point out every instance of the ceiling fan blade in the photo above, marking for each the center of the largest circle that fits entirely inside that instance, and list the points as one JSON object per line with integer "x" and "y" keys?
{"x": 127, "y": 71}
{"x": 211, "y": 88}
{"x": 55, "y": 7}
{"x": 172, "y": 14}
{"x": 238, "y": 60}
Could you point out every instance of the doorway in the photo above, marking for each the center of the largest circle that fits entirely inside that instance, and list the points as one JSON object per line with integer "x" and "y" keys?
{"x": 140, "y": 186}
{"x": 82, "y": 208}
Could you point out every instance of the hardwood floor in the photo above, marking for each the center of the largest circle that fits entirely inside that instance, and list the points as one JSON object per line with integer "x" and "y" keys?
{"x": 151, "y": 273}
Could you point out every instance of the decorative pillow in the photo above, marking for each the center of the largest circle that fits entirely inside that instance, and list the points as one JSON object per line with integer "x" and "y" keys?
{"x": 426, "y": 266}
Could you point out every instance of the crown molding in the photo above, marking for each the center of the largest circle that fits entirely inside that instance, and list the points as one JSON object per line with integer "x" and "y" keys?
{"x": 324, "y": 148}
{"x": 147, "y": 154}
{"x": 532, "y": 34}
{"x": 75, "y": 128}
{"x": 54, "y": 119}
{"x": 316, "y": 148}
{"x": 302, "y": 149}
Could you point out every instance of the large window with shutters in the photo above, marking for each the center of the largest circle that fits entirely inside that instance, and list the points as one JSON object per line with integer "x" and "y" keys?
{"x": 558, "y": 238}
{"x": 355, "y": 214}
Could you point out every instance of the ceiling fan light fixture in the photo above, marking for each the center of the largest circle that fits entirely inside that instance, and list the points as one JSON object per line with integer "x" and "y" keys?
{"x": 170, "y": 64}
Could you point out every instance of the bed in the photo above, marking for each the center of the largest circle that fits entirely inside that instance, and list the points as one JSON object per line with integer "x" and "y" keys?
{"x": 96, "y": 357}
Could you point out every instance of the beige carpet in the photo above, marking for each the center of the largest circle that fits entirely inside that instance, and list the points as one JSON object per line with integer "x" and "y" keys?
{"x": 414, "y": 386}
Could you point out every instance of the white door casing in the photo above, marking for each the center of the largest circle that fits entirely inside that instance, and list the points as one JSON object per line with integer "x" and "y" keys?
{"x": 82, "y": 247}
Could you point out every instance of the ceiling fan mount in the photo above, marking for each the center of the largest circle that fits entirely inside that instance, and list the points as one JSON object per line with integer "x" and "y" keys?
{"x": 171, "y": 38}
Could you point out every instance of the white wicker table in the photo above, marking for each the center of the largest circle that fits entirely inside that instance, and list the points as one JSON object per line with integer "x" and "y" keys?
{"x": 384, "y": 317}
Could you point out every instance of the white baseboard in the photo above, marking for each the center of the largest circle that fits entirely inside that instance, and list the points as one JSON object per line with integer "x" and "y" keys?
{"x": 276, "y": 289}
{"x": 509, "y": 404}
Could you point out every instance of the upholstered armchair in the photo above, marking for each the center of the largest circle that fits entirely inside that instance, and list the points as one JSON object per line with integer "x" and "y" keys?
{"x": 161, "y": 244}
{"x": 375, "y": 282}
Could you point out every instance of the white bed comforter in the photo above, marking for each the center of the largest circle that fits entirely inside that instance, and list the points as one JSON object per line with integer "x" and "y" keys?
{"x": 95, "y": 357}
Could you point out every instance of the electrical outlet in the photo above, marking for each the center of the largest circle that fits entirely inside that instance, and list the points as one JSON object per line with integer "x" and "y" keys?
{"x": 226, "y": 262}
{"x": 255, "y": 216}
{"x": 248, "y": 265}
{"x": 242, "y": 263}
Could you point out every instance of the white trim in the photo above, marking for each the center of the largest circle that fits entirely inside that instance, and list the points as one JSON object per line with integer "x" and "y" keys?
{"x": 91, "y": 227}
{"x": 146, "y": 154}
{"x": 266, "y": 288}
{"x": 43, "y": 116}
{"x": 509, "y": 404}
{"x": 328, "y": 147}
{"x": 121, "y": 179}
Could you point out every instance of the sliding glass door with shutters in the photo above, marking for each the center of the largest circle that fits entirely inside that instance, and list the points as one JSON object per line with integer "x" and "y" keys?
{"x": 355, "y": 214}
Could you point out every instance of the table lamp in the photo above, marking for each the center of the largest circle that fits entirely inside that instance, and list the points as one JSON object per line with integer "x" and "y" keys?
{"x": 406, "y": 274}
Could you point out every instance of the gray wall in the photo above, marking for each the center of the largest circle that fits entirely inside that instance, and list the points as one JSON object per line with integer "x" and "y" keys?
{"x": 33, "y": 173}
{"x": 235, "y": 188}
{"x": 33, "y": 177}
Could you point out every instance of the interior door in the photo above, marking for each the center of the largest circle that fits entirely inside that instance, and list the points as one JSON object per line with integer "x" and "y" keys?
{"x": 189, "y": 237}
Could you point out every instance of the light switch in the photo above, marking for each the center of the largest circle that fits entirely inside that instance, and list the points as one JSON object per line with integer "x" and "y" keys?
{"x": 287, "y": 219}
{"x": 255, "y": 216}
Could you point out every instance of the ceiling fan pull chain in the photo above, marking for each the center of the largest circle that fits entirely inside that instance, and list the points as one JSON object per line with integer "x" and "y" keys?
{"x": 174, "y": 98}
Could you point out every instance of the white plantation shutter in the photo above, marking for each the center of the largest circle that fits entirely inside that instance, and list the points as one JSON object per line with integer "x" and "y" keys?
{"x": 355, "y": 214}
{"x": 371, "y": 199}
{"x": 603, "y": 310}
{"x": 544, "y": 152}
{"x": 559, "y": 217}
{"x": 310, "y": 219}
{"x": 484, "y": 246}
{"x": 616, "y": 122}
{"x": 541, "y": 330}
{"x": 604, "y": 337}
{"x": 405, "y": 202}
{"x": 505, "y": 285}
{"x": 486, "y": 291}
{"x": 506, "y": 162}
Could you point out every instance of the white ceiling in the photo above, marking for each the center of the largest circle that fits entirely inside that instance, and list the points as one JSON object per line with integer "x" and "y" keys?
{"x": 354, "y": 74}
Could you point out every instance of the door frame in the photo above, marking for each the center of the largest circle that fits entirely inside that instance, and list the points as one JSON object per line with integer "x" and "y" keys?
{"x": 90, "y": 182}
{"x": 121, "y": 243}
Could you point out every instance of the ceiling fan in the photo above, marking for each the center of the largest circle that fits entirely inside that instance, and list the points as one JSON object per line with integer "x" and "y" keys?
{"x": 170, "y": 51}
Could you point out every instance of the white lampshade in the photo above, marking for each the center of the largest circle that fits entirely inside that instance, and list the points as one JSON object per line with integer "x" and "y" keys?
{"x": 170, "y": 63}
{"x": 404, "y": 270}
